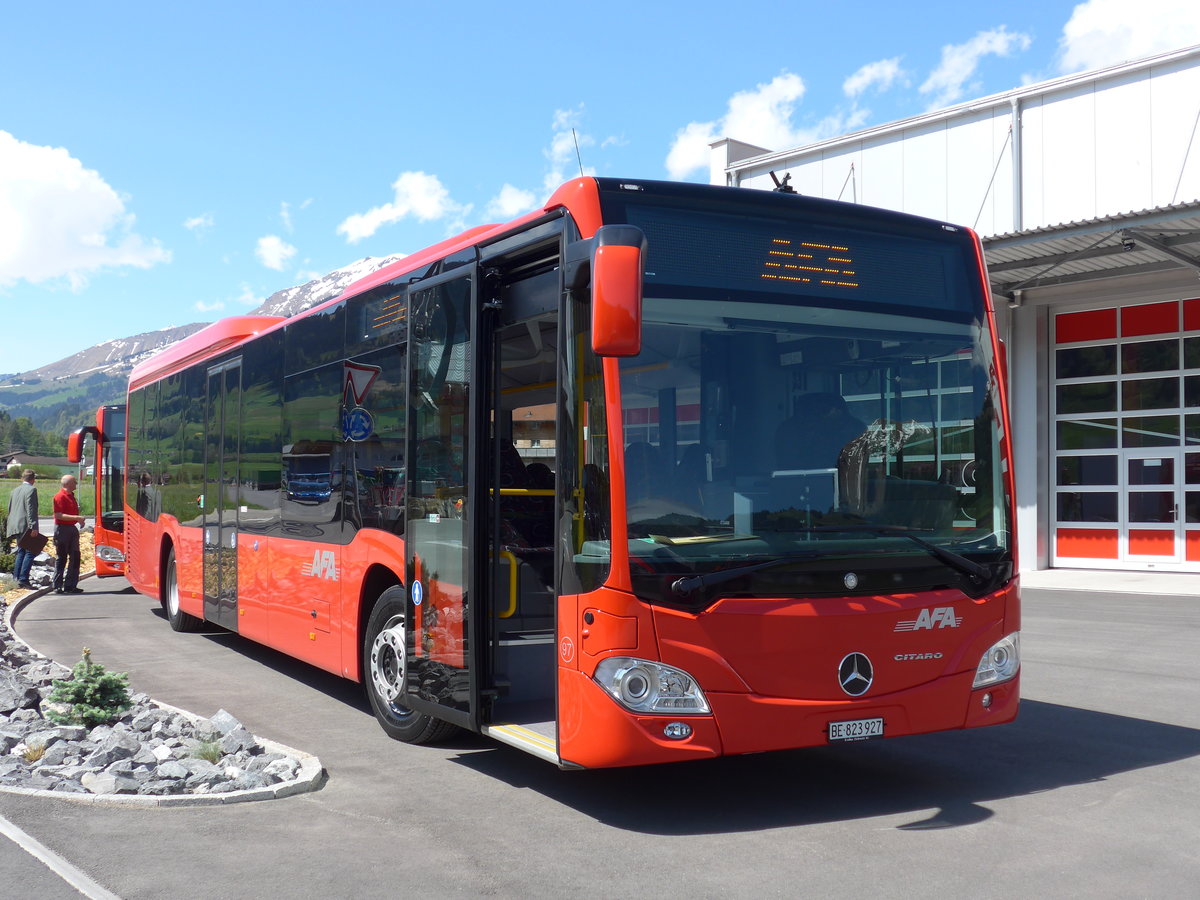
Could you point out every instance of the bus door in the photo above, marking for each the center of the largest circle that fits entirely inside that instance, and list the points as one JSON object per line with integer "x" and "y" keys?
{"x": 442, "y": 676}
{"x": 221, "y": 481}
{"x": 521, "y": 527}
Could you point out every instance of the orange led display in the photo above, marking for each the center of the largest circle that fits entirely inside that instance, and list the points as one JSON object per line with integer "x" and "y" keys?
{"x": 392, "y": 312}
{"x": 824, "y": 263}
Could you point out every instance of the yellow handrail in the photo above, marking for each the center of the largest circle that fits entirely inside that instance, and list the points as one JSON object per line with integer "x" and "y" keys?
{"x": 512, "y": 584}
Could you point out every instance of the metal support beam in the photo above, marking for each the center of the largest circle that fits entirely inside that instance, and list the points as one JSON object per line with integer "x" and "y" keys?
{"x": 1161, "y": 248}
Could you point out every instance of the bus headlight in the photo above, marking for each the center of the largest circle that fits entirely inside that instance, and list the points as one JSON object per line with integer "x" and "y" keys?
{"x": 1000, "y": 663}
{"x": 650, "y": 687}
{"x": 109, "y": 554}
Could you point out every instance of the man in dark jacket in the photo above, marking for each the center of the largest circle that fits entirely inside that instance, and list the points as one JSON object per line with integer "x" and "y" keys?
{"x": 23, "y": 518}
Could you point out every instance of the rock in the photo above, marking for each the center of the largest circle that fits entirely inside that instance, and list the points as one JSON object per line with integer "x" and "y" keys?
{"x": 172, "y": 771}
{"x": 236, "y": 740}
{"x": 284, "y": 769}
{"x": 225, "y": 722}
{"x": 113, "y": 747}
{"x": 56, "y": 755}
{"x": 147, "y": 750}
{"x": 104, "y": 783}
{"x": 16, "y": 692}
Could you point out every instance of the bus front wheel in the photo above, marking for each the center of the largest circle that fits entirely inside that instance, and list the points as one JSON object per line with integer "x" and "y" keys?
{"x": 384, "y": 664}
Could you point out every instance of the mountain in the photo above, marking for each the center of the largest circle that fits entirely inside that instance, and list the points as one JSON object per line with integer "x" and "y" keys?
{"x": 297, "y": 299}
{"x": 62, "y": 395}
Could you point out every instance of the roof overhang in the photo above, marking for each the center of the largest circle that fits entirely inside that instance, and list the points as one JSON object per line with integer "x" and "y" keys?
{"x": 1135, "y": 243}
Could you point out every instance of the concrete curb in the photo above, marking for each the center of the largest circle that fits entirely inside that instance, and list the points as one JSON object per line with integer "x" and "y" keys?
{"x": 311, "y": 776}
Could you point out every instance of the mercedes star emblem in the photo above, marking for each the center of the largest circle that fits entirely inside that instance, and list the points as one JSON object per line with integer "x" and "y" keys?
{"x": 855, "y": 674}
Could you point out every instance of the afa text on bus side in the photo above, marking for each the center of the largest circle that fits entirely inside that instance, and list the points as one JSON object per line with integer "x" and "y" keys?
{"x": 656, "y": 472}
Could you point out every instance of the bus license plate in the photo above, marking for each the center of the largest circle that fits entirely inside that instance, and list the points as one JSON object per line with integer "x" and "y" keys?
{"x": 856, "y": 730}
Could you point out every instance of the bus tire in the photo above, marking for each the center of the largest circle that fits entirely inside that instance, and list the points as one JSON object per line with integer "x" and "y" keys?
{"x": 383, "y": 665}
{"x": 180, "y": 621}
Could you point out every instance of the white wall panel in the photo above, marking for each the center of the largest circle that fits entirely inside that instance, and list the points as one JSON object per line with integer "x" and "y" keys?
{"x": 1033, "y": 166}
{"x": 1094, "y": 145}
{"x": 880, "y": 179}
{"x": 806, "y": 178}
{"x": 1069, "y": 157}
{"x": 975, "y": 144}
{"x": 1123, "y": 141}
{"x": 1174, "y": 104}
{"x": 925, "y": 171}
{"x": 835, "y": 168}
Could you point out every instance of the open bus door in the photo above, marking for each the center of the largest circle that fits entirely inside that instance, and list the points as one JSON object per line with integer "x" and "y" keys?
{"x": 443, "y": 608}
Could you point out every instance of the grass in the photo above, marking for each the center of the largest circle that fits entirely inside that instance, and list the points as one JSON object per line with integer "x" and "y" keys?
{"x": 47, "y": 488}
{"x": 209, "y": 751}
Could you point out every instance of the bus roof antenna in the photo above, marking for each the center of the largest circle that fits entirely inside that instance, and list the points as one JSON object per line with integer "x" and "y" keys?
{"x": 578, "y": 155}
{"x": 782, "y": 187}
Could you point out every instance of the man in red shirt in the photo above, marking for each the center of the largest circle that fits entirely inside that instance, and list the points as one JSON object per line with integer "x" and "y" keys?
{"x": 66, "y": 538}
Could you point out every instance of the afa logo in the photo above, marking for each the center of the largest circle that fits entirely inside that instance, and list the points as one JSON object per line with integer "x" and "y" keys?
{"x": 929, "y": 619}
{"x": 323, "y": 565}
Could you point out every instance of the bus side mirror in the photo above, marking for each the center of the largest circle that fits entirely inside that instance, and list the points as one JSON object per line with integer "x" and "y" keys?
{"x": 75, "y": 445}
{"x": 617, "y": 265}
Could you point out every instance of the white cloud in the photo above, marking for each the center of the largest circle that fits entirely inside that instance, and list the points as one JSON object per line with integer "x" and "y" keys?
{"x": 762, "y": 117}
{"x": 948, "y": 82}
{"x": 568, "y": 142}
{"x": 416, "y": 194}
{"x": 200, "y": 223}
{"x": 285, "y": 216}
{"x": 60, "y": 220}
{"x": 247, "y": 297}
{"x": 203, "y": 307}
{"x": 562, "y": 153}
{"x": 879, "y": 75}
{"x": 510, "y": 203}
{"x": 1103, "y": 32}
{"x": 273, "y": 252}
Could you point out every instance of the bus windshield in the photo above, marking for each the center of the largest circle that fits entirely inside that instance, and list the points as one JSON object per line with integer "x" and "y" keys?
{"x": 805, "y": 442}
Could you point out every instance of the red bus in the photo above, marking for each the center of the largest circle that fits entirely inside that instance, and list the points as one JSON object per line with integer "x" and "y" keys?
{"x": 657, "y": 472}
{"x": 108, "y": 481}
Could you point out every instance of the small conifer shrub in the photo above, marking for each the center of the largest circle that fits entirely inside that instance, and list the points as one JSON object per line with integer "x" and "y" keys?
{"x": 91, "y": 696}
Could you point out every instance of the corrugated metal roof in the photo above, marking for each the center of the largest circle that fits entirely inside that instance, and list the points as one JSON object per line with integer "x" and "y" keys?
{"x": 1153, "y": 240}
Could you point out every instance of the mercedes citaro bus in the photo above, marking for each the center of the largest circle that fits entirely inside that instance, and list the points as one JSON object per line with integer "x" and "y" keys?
{"x": 656, "y": 472}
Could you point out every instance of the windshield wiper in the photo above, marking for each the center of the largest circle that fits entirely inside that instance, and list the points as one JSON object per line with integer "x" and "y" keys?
{"x": 685, "y": 587}
{"x": 955, "y": 560}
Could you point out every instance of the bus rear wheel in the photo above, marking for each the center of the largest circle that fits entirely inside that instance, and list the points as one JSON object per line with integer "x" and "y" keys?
{"x": 384, "y": 664}
{"x": 180, "y": 621}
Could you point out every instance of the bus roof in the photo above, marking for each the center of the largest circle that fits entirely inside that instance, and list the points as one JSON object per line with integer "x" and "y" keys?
{"x": 580, "y": 196}
{"x": 205, "y": 342}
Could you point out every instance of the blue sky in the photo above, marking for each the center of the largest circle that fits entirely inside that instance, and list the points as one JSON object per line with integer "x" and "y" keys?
{"x": 163, "y": 164}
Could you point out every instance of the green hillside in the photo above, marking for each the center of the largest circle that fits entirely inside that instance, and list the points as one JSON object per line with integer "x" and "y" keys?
{"x": 57, "y": 406}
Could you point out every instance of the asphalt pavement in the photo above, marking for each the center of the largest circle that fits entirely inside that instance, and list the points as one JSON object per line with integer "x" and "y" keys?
{"x": 1092, "y": 792}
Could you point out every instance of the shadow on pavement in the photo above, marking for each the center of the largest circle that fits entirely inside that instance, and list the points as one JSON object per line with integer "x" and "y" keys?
{"x": 942, "y": 780}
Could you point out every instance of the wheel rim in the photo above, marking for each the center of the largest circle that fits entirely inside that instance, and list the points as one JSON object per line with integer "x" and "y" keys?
{"x": 172, "y": 591}
{"x": 389, "y": 663}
